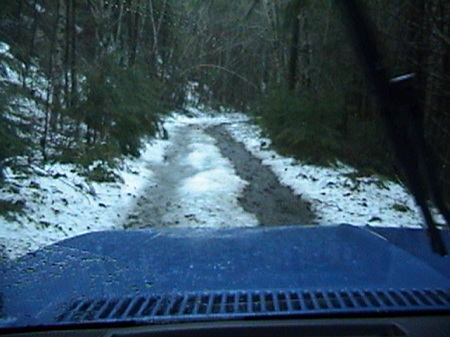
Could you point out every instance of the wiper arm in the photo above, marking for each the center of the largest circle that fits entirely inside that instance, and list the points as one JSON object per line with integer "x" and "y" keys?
{"x": 403, "y": 117}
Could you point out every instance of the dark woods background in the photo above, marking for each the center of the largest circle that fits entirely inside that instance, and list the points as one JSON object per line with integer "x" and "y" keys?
{"x": 115, "y": 67}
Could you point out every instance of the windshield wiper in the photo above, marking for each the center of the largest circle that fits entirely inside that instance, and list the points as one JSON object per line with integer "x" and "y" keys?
{"x": 404, "y": 119}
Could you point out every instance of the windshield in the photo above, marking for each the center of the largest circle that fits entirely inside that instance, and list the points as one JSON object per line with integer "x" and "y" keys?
{"x": 138, "y": 116}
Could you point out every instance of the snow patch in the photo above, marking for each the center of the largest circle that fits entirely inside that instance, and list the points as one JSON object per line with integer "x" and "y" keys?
{"x": 4, "y": 48}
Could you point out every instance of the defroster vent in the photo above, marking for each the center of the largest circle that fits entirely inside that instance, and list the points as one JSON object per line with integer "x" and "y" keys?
{"x": 223, "y": 305}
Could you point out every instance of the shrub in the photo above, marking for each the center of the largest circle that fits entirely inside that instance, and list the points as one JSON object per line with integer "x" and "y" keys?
{"x": 101, "y": 172}
{"x": 11, "y": 144}
{"x": 122, "y": 105}
{"x": 302, "y": 126}
{"x": 9, "y": 209}
{"x": 86, "y": 155}
{"x": 321, "y": 131}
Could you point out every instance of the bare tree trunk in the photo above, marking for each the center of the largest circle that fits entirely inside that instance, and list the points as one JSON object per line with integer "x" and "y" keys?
{"x": 156, "y": 24}
{"x": 324, "y": 41}
{"x": 102, "y": 11}
{"x": 57, "y": 77}
{"x": 119, "y": 24}
{"x": 417, "y": 42}
{"x": 32, "y": 45}
{"x": 48, "y": 101}
{"x": 293, "y": 56}
{"x": 67, "y": 53}
{"x": 272, "y": 12}
{"x": 73, "y": 55}
{"x": 134, "y": 35}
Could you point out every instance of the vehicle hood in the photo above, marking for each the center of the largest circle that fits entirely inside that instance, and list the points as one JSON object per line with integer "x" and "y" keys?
{"x": 143, "y": 275}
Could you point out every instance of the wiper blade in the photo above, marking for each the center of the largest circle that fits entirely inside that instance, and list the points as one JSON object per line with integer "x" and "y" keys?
{"x": 403, "y": 117}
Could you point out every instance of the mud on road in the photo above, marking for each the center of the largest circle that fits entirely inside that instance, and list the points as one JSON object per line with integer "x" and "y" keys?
{"x": 272, "y": 203}
{"x": 263, "y": 197}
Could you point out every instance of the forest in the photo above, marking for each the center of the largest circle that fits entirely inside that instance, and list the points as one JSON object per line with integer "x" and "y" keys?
{"x": 103, "y": 73}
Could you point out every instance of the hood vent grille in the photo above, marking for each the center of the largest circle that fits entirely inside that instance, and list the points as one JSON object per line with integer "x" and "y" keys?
{"x": 178, "y": 307}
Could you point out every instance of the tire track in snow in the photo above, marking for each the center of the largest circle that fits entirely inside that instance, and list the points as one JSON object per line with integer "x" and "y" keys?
{"x": 264, "y": 196}
{"x": 195, "y": 186}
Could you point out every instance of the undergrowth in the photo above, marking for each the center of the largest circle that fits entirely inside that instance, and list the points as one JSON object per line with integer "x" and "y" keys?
{"x": 322, "y": 132}
{"x": 8, "y": 209}
{"x": 102, "y": 172}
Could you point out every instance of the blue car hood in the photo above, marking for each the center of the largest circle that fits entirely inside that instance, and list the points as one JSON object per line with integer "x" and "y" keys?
{"x": 146, "y": 274}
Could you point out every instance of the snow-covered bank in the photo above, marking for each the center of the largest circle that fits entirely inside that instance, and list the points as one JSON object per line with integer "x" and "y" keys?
{"x": 59, "y": 203}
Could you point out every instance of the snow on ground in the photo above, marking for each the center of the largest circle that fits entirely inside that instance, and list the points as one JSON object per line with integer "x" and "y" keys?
{"x": 60, "y": 204}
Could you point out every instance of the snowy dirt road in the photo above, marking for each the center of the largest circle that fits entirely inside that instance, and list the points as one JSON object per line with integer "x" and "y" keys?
{"x": 219, "y": 170}
{"x": 215, "y": 170}
{"x": 208, "y": 179}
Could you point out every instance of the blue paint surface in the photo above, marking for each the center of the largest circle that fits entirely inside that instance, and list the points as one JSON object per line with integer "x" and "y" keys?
{"x": 179, "y": 260}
